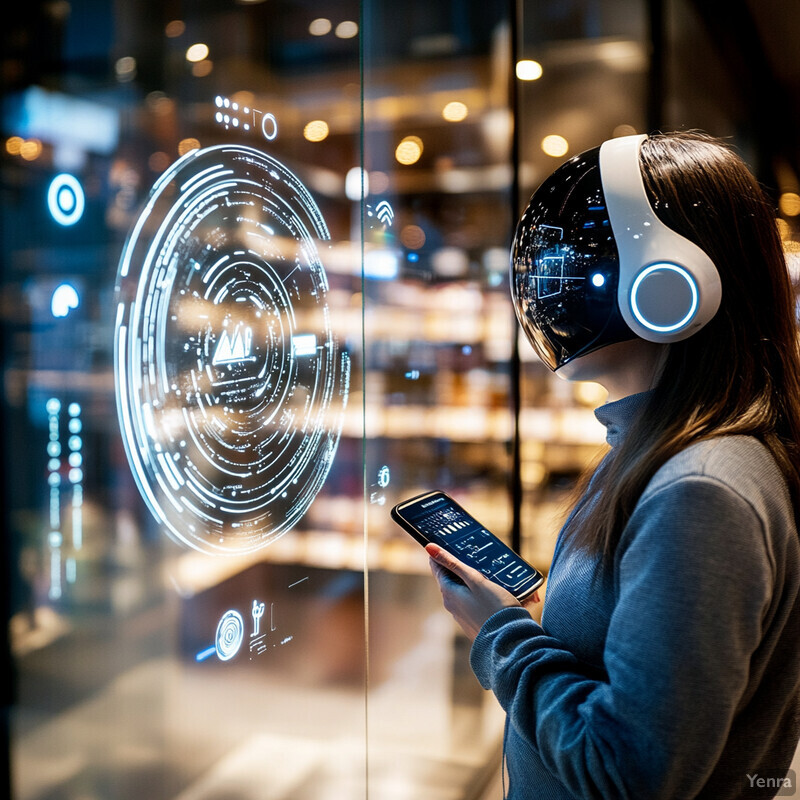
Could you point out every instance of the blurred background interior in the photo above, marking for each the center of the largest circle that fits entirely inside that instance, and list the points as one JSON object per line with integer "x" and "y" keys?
{"x": 420, "y": 129}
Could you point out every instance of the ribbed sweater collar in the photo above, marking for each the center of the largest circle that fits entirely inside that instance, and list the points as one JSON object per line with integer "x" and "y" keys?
{"x": 620, "y": 415}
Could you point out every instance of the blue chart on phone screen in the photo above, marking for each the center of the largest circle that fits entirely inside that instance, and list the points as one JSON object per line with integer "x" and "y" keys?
{"x": 230, "y": 384}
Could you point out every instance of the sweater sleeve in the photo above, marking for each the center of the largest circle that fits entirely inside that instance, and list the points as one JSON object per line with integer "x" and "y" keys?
{"x": 694, "y": 581}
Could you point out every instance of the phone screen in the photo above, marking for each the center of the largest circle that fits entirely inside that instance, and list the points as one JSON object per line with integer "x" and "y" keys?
{"x": 436, "y": 517}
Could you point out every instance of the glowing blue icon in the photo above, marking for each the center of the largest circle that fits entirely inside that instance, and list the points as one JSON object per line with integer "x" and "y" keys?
{"x": 598, "y": 279}
{"x": 64, "y": 299}
{"x": 53, "y": 405}
{"x": 65, "y": 199}
{"x": 385, "y": 213}
{"x": 230, "y": 633}
{"x": 233, "y": 349}
{"x": 384, "y": 476}
{"x": 413, "y": 375}
{"x": 205, "y": 653}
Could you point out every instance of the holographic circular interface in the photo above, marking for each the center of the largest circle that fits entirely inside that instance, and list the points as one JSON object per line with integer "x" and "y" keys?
{"x": 230, "y": 385}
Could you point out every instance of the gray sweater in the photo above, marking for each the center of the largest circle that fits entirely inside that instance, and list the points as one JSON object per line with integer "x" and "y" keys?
{"x": 676, "y": 672}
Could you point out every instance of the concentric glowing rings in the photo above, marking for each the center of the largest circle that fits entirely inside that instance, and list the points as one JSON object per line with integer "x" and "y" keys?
{"x": 230, "y": 633}
{"x": 230, "y": 385}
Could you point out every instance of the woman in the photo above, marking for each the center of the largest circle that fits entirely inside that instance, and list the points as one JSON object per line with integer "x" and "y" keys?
{"x": 667, "y": 662}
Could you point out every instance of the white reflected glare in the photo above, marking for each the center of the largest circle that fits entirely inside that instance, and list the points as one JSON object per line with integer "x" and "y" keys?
{"x": 529, "y": 70}
{"x": 356, "y": 184}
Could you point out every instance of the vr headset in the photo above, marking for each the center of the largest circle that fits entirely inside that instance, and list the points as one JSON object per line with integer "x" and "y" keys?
{"x": 593, "y": 265}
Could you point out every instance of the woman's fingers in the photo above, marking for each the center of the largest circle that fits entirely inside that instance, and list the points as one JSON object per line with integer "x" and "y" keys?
{"x": 463, "y": 572}
{"x": 449, "y": 562}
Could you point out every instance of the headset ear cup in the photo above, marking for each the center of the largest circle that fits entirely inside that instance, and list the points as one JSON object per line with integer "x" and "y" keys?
{"x": 668, "y": 286}
{"x": 664, "y": 297}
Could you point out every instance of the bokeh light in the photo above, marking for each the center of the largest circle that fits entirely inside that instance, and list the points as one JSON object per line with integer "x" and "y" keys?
{"x": 320, "y": 26}
{"x": 187, "y": 145}
{"x": 409, "y": 150}
{"x": 555, "y": 145}
{"x": 529, "y": 70}
{"x": 158, "y": 161}
{"x": 789, "y": 204}
{"x": 197, "y": 52}
{"x": 175, "y": 28}
{"x": 30, "y": 149}
{"x": 316, "y": 130}
{"x": 378, "y": 182}
{"x": 623, "y": 130}
{"x": 347, "y": 29}
{"x": 14, "y": 145}
{"x": 455, "y": 111}
{"x": 412, "y": 237}
{"x": 202, "y": 68}
{"x": 125, "y": 68}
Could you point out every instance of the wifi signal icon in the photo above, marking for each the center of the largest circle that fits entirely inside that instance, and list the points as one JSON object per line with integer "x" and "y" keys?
{"x": 385, "y": 213}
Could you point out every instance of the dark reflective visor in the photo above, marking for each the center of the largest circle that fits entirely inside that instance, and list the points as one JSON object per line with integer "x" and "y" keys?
{"x": 565, "y": 267}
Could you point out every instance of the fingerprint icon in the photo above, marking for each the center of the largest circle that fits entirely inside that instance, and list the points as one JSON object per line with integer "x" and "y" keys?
{"x": 385, "y": 213}
{"x": 230, "y": 633}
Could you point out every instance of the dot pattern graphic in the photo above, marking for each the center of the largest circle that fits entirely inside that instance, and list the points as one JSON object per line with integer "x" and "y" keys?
{"x": 230, "y": 384}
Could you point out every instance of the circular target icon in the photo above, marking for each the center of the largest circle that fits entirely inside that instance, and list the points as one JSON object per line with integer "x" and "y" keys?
{"x": 230, "y": 633}
{"x": 65, "y": 199}
{"x": 230, "y": 384}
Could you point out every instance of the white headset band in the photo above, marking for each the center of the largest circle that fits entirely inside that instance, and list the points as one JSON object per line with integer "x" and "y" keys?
{"x": 644, "y": 241}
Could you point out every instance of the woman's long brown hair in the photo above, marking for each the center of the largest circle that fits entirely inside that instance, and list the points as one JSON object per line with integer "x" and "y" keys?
{"x": 740, "y": 374}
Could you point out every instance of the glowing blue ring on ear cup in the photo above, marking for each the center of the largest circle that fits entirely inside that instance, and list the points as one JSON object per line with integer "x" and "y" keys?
{"x": 635, "y": 302}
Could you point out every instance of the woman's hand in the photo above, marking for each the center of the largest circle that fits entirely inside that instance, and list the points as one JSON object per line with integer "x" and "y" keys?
{"x": 468, "y": 596}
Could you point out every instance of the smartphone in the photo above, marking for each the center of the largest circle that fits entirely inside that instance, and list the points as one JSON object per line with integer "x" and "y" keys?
{"x": 436, "y": 517}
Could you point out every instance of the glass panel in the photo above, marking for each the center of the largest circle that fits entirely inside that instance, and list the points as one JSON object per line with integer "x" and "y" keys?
{"x": 438, "y": 333}
{"x": 225, "y": 659}
{"x": 582, "y": 78}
